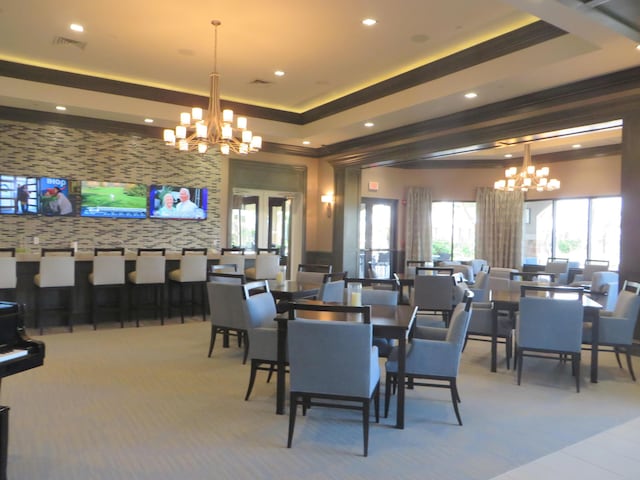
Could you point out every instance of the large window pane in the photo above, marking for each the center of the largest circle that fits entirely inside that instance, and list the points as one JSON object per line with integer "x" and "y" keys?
{"x": 441, "y": 230}
{"x": 572, "y": 220}
{"x": 538, "y": 231}
{"x": 605, "y": 230}
{"x": 464, "y": 230}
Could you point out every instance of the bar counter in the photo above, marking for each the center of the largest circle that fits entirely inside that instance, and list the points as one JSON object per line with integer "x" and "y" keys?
{"x": 28, "y": 266}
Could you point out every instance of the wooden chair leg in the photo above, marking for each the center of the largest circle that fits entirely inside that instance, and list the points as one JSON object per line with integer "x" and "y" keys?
{"x": 629, "y": 364}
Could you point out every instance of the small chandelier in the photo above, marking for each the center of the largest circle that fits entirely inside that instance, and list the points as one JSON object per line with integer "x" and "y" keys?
{"x": 528, "y": 178}
{"x": 196, "y": 132}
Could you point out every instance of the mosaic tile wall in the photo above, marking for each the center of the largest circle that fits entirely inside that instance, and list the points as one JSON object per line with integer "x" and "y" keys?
{"x": 77, "y": 154}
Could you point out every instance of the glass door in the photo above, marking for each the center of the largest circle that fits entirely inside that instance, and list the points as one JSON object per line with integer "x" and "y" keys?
{"x": 377, "y": 237}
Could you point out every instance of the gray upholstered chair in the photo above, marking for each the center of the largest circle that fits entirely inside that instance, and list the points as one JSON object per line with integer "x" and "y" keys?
{"x": 590, "y": 267}
{"x": 226, "y": 313}
{"x": 372, "y": 296}
{"x": 332, "y": 289}
{"x": 8, "y": 273}
{"x": 616, "y": 328}
{"x": 559, "y": 267}
{"x": 550, "y": 325}
{"x": 192, "y": 273}
{"x": 259, "y": 311}
{"x": 480, "y": 287}
{"x": 349, "y": 375}
{"x": 108, "y": 274}
{"x": 312, "y": 273}
{"x": 150, "y": 271}
{"x": 267, "y": 266}
{"x": 433, "y": 294}
{"x": 434, "y": 362}
{"x": 481, "y": 326}
{"x": 57, "y": 272}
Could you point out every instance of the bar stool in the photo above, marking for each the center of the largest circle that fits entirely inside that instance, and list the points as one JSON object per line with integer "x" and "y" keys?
{"x": 149, "y": 272}
{"x": 233, "y": 255}
{"x": 192, "y": 273}
{"x": 57, "y": 273}
{"x": 108, "y": 274}
{"x": 8, "y": 275}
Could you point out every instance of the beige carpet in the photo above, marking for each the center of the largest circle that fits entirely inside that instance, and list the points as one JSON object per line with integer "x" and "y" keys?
{"x": 147, "y": 403}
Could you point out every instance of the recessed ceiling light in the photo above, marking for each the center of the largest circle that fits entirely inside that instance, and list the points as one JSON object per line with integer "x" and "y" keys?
{"x": 508, "y": 155}
{"x": 470, "y": 95}
{"x": 306, "y": 142}
{"x": 369, "y": 124}
{"x": 279, "y": 73}
{"x": 576, "y": 145}
{"x": 76, "y": 27}
{"x": 148, "y": 120}
{"x": 369, "y": 22}
{"x": 61, "y": 108}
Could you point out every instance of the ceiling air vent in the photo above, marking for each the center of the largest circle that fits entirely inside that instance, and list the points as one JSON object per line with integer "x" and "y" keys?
{"x": 63, "y": 41}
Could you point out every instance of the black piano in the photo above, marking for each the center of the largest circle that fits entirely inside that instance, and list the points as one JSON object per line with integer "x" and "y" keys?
{"x": 17, "y": 353}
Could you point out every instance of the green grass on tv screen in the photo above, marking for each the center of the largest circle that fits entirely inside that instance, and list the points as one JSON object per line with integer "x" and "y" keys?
{"x": 121, "y": 196}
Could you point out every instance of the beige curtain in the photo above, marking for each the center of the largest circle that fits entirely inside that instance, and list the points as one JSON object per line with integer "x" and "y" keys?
{"x": 418, "y": 224}
{"x": 499, "y": 227}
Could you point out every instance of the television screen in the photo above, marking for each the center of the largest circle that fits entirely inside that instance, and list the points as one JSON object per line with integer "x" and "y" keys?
{"x": 113, "y": 199}
{"x": 18, "y": 195}
{"x": 54, "y": 197}
{"x": 166, "y": 201}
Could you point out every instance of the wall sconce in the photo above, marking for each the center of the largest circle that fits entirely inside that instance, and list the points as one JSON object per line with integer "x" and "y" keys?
{"x": 328, "y": 201}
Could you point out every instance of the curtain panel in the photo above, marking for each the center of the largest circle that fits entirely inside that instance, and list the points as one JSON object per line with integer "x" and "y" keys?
{"x": 499, "y": 227}
{"x": 418, "y": 224}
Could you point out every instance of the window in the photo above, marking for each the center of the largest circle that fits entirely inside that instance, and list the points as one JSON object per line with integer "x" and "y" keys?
{"x": 453, "y": 230}
{"x": 576, "y": 229}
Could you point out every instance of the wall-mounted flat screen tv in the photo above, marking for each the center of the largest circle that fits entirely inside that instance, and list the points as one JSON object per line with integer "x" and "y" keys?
{"x": 168, "y": 201}
{"x": 54, "y": 197}
{"x": 18, "y": 195}
{"x": 113, "y": 199}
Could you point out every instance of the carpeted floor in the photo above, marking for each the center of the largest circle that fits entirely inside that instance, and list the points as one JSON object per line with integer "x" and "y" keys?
{"x": 147, "y": 403}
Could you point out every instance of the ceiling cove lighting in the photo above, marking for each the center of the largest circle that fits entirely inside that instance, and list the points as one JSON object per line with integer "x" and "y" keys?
{"x": 198, "y": 132}
{"x": 528, "y": 178}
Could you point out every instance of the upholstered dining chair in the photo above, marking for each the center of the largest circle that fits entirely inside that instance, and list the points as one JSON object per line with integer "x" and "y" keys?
{"x": 550, "y": 324}
{"x": 616, "y": 328}
{"x": 108, "y": 274}
{"x": 225, "y": 310}
{"x": 433, "y": 294}
{"x": 259, "y": 310}
{"x": 312, "y": 273}
{"x": 149, "y": 272}
{"x": 591, "y": 266}
{"x": 559, "y": 267}
{"x": 332, "y": 288}
{"x": 57, "y": 273}
{"x": 434, "y": 361}
{"x": 192, "y": 273}
{"x": 347, "y": 378}
{"x": 8, "y": 272}
{"x": 481, "y": 326}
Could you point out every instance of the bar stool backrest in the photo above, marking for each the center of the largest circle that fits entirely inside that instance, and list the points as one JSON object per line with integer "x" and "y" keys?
{"x": 8, "y": 275}
{"x": 108, "y": 266}
{"x": 57, "y": 268}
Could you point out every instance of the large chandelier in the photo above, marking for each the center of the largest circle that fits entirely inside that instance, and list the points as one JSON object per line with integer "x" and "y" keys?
{"x": 528, "y": 178}
{"x": 196, "y": 132}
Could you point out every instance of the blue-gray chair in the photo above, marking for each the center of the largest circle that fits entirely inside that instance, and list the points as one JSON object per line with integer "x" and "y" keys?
{"x": 616, "y": 327}
{"x": 372, "y": 296}
{"x": 348, "y": 375}
{"x": 332, "y": 288}
{"x": 259, "y": 311}
{"x": 550, "y": 324}
{"x": 434, "y": 361}
{"x": 226, "y": 313}
{"x": 481, "y": 327}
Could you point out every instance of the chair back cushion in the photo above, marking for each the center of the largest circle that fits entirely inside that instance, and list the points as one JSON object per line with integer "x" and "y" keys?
{"x": 332, "y": 292}
{"x": 267, "y": 266}
{"x": 56, "y": 271}
{"x": 627, "y": 305}
{"x": 193, "y": 268}
{"x": 149, "y": 269}
{"x": 550, "y": 324}
{"x": 371, "y": 296}
{"x": 107, "y": 270}
{"x": 433, "y": 292}
{"x": 457, "y": 331}
{"x": 8, "y": 276}
{"x": 310, "y": 278}
{"x": 332, "y": 357}
{"x": 557, "y": 267}
{"x": 226, "y": 304}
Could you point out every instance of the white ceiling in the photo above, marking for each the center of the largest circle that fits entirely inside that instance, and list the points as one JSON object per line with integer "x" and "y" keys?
{"x": 321, "y": 45}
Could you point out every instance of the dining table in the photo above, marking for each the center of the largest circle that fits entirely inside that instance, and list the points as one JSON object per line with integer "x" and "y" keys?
{"x": 286, "y": 291}
{"x": 389, "y": 321}
{"x": 509, "y": 301}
